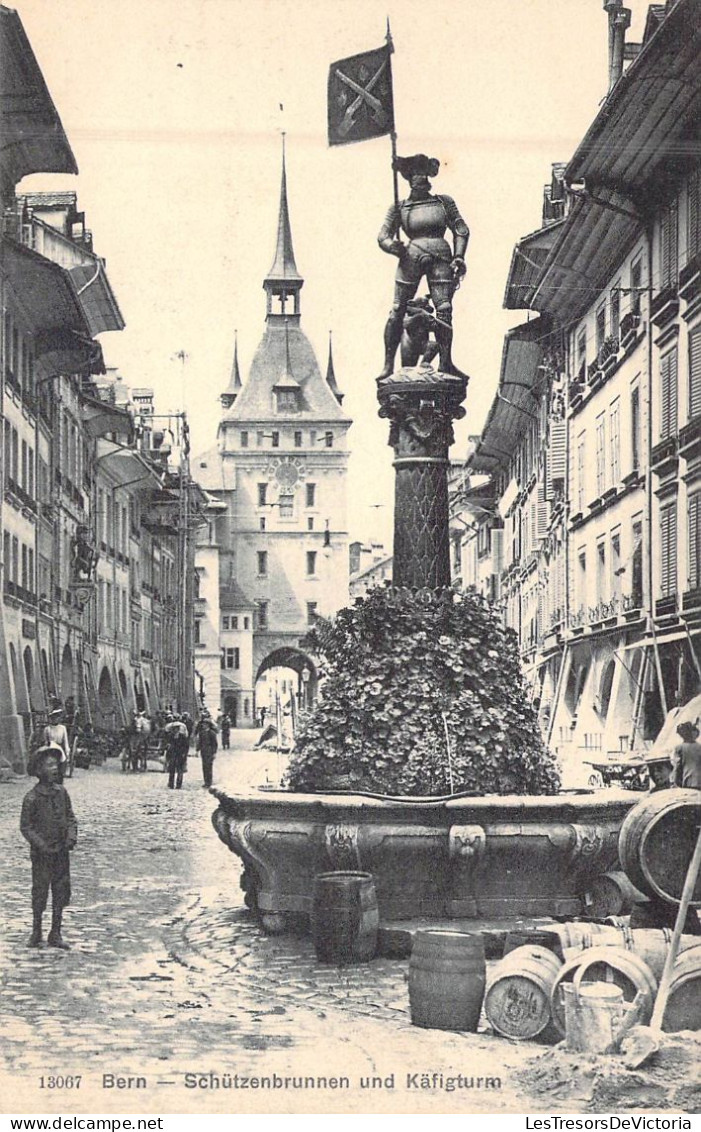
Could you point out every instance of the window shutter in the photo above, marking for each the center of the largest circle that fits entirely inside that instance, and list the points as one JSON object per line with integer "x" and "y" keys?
{"x": 543, "y": 519}
{"x": 668, "y": 389}
{"x": 694, "y": 216}
{"x": 556, "y": 458}
{"x": 694, "y": 536}
{"x": 668, "y": 547}
{"x": 497, "y": 549}
{"x": 635, "y": 428}
{"x": 669, "y": 250}
{"x": 695, "y": 373}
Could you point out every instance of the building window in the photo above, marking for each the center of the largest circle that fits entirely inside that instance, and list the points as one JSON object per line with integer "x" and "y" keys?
{"x": 669, "y": 247}
{"x": 260, "y": 437}
{"x": 298, "y": 439}
{"x": 600, "y": 326}
{"x": 668, "y": 550}
{"x": 668, "y": 391}
{"x": 310, "y": 523}
{"x": 694, "y": 532}
{"x": 328, "y": 439}
{"x": 246, "y": 624}
{"x": 230, "y": 658}
{"x": 225, "y": 622}
{"x": 695, "y": 372}
{"x": 601, "y": 578}
{"x": 311, "y": 562}
{"x": 582, "y": 577}
{"x": 262, "y": 494}
{"x": 312, "y": 612}
{"x": 287, "y": 506}
{"x": 262, "y": 563}
{"x": 261, "y": 615}
{"x": 311, "y": 494}
{"x": 287, "y": 401}
{"x": 615, "y": 441}
{"x": 693, "y": 216}
{"x": 244, "y": 440}
{"x": 197, "y": 631}
{"x": 262, "y": 522}
{"x": 275, "y": 439}
{"x": 600, "y": 454}
{"x": 635, "y": 428}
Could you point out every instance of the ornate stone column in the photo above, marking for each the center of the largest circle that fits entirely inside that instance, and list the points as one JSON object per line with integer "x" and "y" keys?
{"x": 421, "y": 404}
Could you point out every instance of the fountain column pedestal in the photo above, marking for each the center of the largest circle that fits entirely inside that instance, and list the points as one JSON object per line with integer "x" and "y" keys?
{"x": 421, "y": 404}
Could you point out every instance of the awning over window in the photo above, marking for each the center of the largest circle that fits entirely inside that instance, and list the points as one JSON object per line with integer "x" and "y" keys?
{"x": 128, "y": 466}
{"x": 96, "y": 296}
{"x": 101, "y": 418}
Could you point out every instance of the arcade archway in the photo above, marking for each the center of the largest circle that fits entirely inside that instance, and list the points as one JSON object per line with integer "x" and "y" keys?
{"x": 285, "y": 673}
{"x": 105, "y": 698}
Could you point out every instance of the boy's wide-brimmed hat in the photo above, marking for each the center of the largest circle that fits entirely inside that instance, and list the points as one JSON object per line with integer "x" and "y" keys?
{"x": 417, "y": 163}
{"x": 37, "y": 759}
{"x": 55, "y": 712}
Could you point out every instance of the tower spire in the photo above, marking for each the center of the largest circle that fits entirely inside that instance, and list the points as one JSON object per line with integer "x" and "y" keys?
{"x": 330, "y": 373}
{"x": 235, "y": 385}
{"x": 283, "y": 282}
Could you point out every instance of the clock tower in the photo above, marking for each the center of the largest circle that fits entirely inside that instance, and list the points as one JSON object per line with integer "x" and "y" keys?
{"x": 280, "y": 466}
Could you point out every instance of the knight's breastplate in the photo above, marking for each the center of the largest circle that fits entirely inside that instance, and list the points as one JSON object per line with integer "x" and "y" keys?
{"x": 423, "y": 218}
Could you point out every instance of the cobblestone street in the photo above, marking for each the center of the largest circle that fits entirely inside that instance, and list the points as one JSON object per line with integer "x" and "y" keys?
{"x": 168, "y": 975}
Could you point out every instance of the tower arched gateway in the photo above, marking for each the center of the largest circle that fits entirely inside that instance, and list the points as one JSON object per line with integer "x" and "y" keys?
{"x": 286, "y": 672}
{"x": 280, "y": 466}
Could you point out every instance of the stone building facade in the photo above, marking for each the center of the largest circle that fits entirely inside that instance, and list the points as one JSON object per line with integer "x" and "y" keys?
{"x": 591, "y": 444}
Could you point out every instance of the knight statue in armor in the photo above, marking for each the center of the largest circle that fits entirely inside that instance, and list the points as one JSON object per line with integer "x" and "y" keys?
{"x": 424, "y": 218}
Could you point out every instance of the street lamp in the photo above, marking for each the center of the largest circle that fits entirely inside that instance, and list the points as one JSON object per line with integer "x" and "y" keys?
{"x": 306, "y": 673}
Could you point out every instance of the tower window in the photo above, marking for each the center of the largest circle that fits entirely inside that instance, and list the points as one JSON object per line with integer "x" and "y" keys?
{"x": 311, "y": 494}
{"x": 262, "y": 563}
{"x": 310, "y": 523}
{"x": 287, "y": 506}
{"x": 262, "y": 494}
{"x": 328, "y": 439}
{"x": 276, "y": 439}
{"x": 262, "y": 614}
{"x": 312, "y": 612}
{"x": 311, "y": 562}
{"x": 262, "y": 522}
{"x": 298, "y": 439}
{"x": 244, "y": 440}
{"x": 287, "y": 401}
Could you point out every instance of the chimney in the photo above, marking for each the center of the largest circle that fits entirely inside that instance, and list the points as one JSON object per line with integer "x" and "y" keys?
{"x": 619, "y": 20}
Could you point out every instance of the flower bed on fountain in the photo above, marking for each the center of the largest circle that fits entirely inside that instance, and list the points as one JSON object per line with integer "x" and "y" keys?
{"x": 450, "y": 795}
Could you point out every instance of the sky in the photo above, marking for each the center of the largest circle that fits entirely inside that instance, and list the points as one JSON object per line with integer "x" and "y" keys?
{"x": 173, "y": 111}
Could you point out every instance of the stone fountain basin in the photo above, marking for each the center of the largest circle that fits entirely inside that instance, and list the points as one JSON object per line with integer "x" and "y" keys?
{"x": 492, "y": 858}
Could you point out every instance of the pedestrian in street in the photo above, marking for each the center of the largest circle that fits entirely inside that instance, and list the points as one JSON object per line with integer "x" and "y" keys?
{"x": 687, "y": 757}
{"x": 48, "y": 824}
{"x": 225, "y": 731}
{"x": 55, "y": 734}
{"x": 178, "y": 746}
{"x": 207, "y": 744}
{"x": 659, "y": 769}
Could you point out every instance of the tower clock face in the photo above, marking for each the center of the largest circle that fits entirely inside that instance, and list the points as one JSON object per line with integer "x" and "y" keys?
{"x": 287, "y": 471}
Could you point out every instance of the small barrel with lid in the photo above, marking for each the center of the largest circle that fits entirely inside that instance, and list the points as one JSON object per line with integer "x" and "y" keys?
{"x": 517, "y": 1002}
{"x": 345, "y": 918}
{"x": 447, "y": 975}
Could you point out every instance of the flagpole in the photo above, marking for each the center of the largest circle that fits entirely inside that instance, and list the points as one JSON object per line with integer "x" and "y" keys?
{"x": 393, "y": 133}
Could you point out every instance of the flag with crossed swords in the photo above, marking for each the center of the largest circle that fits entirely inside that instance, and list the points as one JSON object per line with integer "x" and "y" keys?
{"x": 361, "y": 104}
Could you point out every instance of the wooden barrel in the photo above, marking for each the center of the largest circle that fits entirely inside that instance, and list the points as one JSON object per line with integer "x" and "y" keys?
{"x": 611, "y": 894}
{"x": 447, "y": 975}
{"x": 344, "y": 918}
{"x": 614, "y": 965}
{"x": 683, "y": 1010}
{"x": 657, "y": 840}
{"x": 576, "y": 937}
{"x": 517, "y": 1002}
{"x": 650, "y": 944}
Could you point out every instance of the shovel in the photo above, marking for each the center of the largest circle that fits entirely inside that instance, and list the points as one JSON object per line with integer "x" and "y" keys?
{"x": 642, "y": 1041}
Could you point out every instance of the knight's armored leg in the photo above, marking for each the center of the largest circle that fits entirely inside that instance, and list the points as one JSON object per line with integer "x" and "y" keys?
{"x": 403, "y": 292}
{"x": 444, "y": 338}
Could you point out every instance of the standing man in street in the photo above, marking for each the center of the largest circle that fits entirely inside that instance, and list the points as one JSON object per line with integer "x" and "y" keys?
{"x": 207, "y": 745}
{"x": 178, "y": 746}
{"x": 687, "y": 757}
{"x": 48, "y": 824}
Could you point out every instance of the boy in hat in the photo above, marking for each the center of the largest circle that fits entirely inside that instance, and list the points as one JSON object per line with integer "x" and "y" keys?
{"x": 48, "y": 824}
{"x": 687, "y": 770}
